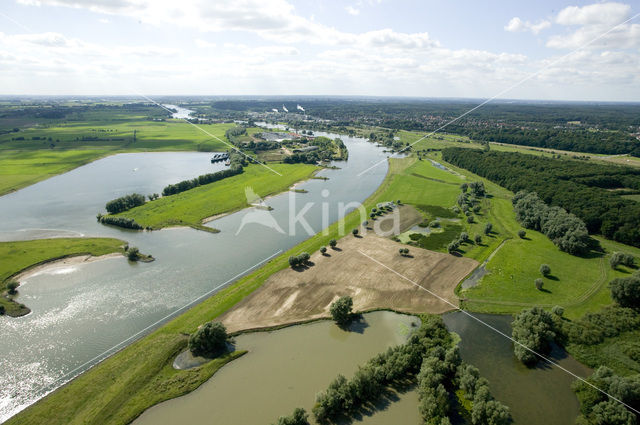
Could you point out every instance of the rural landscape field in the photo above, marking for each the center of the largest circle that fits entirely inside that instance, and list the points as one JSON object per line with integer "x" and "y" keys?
{"x": 310, "y": 213}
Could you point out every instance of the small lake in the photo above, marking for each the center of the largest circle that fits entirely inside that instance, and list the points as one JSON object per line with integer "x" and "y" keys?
{"x": 285, "y": 369}
{"x": 541, "y": 395}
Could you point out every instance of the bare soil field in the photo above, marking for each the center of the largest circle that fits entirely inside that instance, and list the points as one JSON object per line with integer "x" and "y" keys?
{"x": 291, "y": 296}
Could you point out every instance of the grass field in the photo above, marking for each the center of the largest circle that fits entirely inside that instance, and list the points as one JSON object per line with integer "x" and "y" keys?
{"x": 189, "y": 208}
{"x": 21, "y": 255}
{"x": 24, "y": 162}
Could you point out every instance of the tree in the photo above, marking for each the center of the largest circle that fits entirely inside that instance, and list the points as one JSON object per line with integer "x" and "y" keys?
{"x": 621, "y": 258}
{"x": 521, "y": 234}
{"x": 626, "y": 291}
{"x": 323, "y": 250}
{"x": 333, "y": 243}
{"x": 133, "y": 253}
{"x": 299, "y": 417}
{"x": 464, "y": 187}
{"x": 209, "y": 340}
{"x": 12, "y": 287}
{"x": 341, "y": 310}
{"x": 354, "y": 232}
{"x": 478, "y": 239}
{"x": 453, "y": 247}
{"x": 464, "y": 237}
{"x": 539, "y": 284}
{"x": 470, "y": 219}
{"x": 545, "y": 270}
{"x": 534, "y": 329}
{"x": 488, "y": 228}
{"x": 293, "y": 261}
{"x": 557, "y": 310}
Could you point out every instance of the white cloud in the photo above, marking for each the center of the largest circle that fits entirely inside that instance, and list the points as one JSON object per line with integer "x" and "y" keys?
{"x": 600, "y": 13}
{"x": 600, "y": 26}
{"x": 518, "y": 25}
{"x": 352, "y": 10}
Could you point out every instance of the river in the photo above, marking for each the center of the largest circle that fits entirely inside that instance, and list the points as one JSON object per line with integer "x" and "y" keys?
{"x": 83, "y": 313}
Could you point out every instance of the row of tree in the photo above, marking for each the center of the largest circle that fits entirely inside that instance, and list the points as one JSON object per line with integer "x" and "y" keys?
{"x": 184, "y": 185}
{"x": 579, "y": 187}
{"x": 125, "y": 203}
{"x": 127, "y": 223}
{"x": 565, "y": 230}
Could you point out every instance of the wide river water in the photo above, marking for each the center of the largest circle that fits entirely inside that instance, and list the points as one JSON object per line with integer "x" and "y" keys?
{"x": 83, "y": 313}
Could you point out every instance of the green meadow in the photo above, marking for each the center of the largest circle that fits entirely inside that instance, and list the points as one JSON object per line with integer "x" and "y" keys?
{"x": 189, "y": 208}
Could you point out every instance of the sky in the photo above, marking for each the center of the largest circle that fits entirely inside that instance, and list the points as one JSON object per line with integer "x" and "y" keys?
{"x": 511, "y": 49}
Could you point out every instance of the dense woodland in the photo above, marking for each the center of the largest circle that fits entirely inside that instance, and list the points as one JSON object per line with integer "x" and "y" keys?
{"x": 585, "y": 189}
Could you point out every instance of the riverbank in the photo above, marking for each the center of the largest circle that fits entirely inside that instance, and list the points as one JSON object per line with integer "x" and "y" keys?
{"x": 199, "y": 205}
{"x": 22, "y": 259}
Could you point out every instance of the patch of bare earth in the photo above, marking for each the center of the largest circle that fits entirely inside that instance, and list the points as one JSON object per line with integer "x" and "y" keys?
{"x": 297, "y": 295}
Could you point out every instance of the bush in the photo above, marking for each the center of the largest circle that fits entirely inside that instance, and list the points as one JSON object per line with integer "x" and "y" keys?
{"x": 621, "y": 258}
{"x": 12, "y": 287}
{"x": 521, "y": 234}
{"x": 333, "y": 243}
{"x": 341, "y": 310}
{"x": 354, "y": 232}
{"x": 133, "y": 253}
{"x": 478, "y": 239}
{"x": 127, "y": 223}
{"x": 539, "y": 284}
{"x": 453, "y": 247}
{"x": 2, "y": 310}
{"x": 488, "y": 228}
{"x": 209, "y": 340}
{"x": 125, "y": 203}
{"x": 470, "y": 219}
{"x": 626, "y": 291}
{"x": 545, "y": 270}
{"x": 557, "y": 310}
{"x": 323, "y": 250}
{"x": 299, "y": 417}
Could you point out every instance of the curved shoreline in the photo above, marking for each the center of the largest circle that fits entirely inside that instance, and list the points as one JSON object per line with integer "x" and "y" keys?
{"x": 67, "y": 260}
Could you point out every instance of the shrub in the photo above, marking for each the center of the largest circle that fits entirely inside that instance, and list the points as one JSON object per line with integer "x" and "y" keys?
{"x": 539, "y": 284}
{"x": 621, "y": 258}
{"x": 133, "y": 253}
{"x": 341, "y": 310}
{"x": 478, "y": 239}
{"x": 453, "y": 247}
{"x": 545, "y": 270}
{"x": 521, "y": 234}
{"x": 333, "y": 243}
{"x": 488, "y": 228}
{"x": 209, "y": 340}
{"x": 2, "y": 310}
{"x": 12, "y": 287}
{"x": 323, "y": 250}
{"x": 470, "y": 219}
{"x": 626, "y": 291}
{"x": 127, "y": 223}
{"x": 354, "y": 232}
{"x": 299, "y": 417}
{"x": 557, "y": 310}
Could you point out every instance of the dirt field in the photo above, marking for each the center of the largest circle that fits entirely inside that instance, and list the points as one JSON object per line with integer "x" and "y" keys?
{"x": 295, "y": 295}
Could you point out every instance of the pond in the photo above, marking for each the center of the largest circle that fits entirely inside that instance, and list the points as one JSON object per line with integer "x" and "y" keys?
{"x": 285, "y": 369}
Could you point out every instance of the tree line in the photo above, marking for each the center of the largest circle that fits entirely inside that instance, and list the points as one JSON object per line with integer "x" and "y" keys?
{"x": 565, "y": 230}
{"x": 580, "y": 188}
{"x": 125, "y": 203}
{"x": 428, "y": 357}
{"x": 204, "y": 179}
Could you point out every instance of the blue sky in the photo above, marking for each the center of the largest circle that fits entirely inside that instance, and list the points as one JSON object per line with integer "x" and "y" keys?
{"x": 426, "y": 48}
